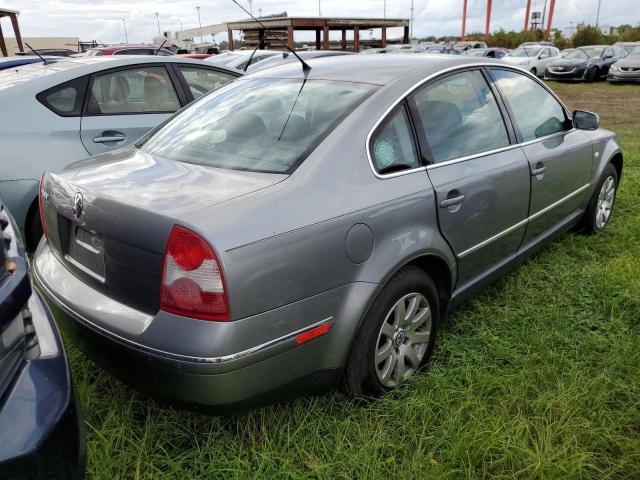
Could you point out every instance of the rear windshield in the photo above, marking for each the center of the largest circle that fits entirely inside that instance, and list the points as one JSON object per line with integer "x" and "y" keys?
{"x": 261, "y": 125}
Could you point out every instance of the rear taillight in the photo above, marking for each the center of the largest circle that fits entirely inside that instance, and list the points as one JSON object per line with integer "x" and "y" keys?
{"x": 192, "y": 279}
{"x": 40, "y": 205}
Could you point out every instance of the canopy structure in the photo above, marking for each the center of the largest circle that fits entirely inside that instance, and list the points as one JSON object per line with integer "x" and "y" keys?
{"x": 13, "y": 15}
{"x": 284, "y": 28}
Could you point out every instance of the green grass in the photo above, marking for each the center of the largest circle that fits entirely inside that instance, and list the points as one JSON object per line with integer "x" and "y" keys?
{"x": 539, "y": 377}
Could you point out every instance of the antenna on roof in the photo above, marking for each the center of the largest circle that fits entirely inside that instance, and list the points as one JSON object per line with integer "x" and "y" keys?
{"x": 253, "y": 53}
{"x": 36, "y": 53}
{"x": 160, "y": 47}
{"x": 305, "y": 65}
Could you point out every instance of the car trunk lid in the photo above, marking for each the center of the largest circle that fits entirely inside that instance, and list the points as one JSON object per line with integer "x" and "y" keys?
{"x": 109, "y": 221}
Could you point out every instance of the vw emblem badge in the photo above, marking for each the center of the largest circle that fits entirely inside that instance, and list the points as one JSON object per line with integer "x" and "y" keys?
{"x": 77, "y": 205}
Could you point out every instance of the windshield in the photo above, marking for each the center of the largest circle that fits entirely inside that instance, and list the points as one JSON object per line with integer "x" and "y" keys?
{"x": 576, "y": 55}
{"x": 261, "y": 125}
{"x": 526, "y": 51}
{"x": 475, "y": 52}
{"x": 634, "y": 54}
{"x": 593, "y": 52}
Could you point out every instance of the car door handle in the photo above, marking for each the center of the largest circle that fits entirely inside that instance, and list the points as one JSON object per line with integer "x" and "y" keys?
{"x": 452, "y": 202}
{"x": 539, "y": 170}
{"x": 109, "y": 138}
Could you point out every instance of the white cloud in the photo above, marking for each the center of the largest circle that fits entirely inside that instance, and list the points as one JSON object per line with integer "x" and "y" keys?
{"x": 102, "y": 19}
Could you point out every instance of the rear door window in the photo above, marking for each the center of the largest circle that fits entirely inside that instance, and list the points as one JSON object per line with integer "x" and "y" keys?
{"x": 136, "y": 90}
{"x": 459, "y": 117}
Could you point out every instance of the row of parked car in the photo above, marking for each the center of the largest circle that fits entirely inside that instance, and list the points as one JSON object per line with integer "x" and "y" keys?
{"x": 222, "y": 239}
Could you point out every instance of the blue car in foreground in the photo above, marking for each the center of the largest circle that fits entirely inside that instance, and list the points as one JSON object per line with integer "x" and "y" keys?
{"x": 41, "y": 433}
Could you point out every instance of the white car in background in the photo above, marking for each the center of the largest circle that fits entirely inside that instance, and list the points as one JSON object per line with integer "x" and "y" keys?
{"x": 534, "y": 58}
{"x": 56, "y": 113}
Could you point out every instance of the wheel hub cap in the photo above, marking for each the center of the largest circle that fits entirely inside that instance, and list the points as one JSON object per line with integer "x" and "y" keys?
{"x": 403, "y": 339}
{"x": 605, "y": 202}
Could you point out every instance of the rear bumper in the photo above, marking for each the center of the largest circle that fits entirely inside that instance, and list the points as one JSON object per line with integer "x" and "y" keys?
{"x": 41, "y": 430}
{"x": 273, "y": 367}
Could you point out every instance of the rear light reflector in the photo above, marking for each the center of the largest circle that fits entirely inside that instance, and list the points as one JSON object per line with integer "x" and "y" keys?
{"x": 40, "y": 205}
{"x": 312, "y": 333}
{"x": 192, "y": 279}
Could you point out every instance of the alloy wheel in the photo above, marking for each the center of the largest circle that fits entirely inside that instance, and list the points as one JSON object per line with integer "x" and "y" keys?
{"x": 605, "y": 202}
{"x": 403, "y": 339}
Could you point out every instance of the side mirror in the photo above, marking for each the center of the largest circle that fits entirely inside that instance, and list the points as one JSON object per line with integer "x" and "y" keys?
{"x": 585, "y": 120}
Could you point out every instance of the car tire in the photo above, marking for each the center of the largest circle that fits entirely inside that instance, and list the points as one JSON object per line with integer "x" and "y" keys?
{"x": 406, "y": 340}
{"x": 534, "y": 72}
{"x": 591, "y": 75}
{"x": 601, "y": 204}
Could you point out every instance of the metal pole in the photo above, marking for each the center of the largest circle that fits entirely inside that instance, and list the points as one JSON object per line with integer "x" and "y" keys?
{"x": 552, "y": 7}
{"x": 411, "y": 25}
{"x": 199, "y": 23}
{"x": 488, "y": 24}
{"x": 124, "y": 23}
{"x": 180, "y": 22}
{"x": 544, "y": 13}
{"x": 464, "y": 19}
{"x": 158, "y": 20}
{"x": 259, "y": 12}
{"x": 250, "y": 7}
{"x": 526, "y": 16}
{"x": 598, "y": 13}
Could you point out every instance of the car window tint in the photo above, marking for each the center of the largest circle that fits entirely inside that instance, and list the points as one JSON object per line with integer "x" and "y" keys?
{"x": 262, "y": 125}
{"x": 65, "y": 99}
{"x": 202, "y": 80}
{"x": 139, "y": 90}
{"x": 537, "y": 113}
{"x": 62, "y": 100}
{"x": 392, "y": 147}
{"x": 460, "y": 117}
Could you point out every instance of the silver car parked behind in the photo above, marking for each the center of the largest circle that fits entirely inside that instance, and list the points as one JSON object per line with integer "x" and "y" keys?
{"x": 57, "y": 113}
{"x": 299, "y": 227}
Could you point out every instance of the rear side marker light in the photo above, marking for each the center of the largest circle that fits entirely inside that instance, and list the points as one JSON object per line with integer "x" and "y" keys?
{"x": 192, "y": 278}
{"x": 312, "y": 333}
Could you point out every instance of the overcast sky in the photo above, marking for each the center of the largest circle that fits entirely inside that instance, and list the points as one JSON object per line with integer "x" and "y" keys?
{"x": 102, "y": 19}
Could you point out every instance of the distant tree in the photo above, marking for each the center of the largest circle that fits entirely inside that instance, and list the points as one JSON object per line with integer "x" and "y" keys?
{"x": 587, "y": 35}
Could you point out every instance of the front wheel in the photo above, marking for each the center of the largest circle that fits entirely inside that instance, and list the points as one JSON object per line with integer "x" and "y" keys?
{"x": 534, "y": 72}
{"x": 396, "y": 337}
{"x": 600, "y": 207}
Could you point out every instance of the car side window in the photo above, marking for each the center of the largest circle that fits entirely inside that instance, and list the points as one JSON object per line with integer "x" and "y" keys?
{"x": 460, "y": 116}
{"x": 536, "y": 112}
{"x": 65, "y": 99}
{"x": 136, "y": 90}
{"x": 203, "y": 80}
{"x": 544, "y": 53}
{"x": 392, "y": 146}
{"x": 608, "y": 53}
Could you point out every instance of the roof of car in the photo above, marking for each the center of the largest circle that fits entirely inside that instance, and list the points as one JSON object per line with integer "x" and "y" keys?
{"x": 375, "y": 69}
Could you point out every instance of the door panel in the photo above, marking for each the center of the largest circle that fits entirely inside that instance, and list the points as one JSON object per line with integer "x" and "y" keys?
{"x": 481, "y": 181}
{"x": 496, "y": 203}
{"x": 560, "y": 158}
{"x": 567, "y": 161}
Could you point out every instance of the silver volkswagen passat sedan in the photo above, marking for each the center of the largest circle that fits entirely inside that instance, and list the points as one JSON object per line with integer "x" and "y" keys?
{"x": 298, "y": 228}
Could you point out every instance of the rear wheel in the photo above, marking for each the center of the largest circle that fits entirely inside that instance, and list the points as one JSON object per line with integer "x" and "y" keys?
{"x": 592, "y": 75}
{"x": 397, "y": 336}
{"x": 600, "y": 208}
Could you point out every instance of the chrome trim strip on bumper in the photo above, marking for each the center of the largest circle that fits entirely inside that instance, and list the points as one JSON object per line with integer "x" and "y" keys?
{"x": 522, "y": 222}
{"x": 168, "y": 355}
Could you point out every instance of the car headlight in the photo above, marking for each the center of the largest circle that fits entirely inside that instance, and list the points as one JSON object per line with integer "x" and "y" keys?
{"x": 614, "y": 68}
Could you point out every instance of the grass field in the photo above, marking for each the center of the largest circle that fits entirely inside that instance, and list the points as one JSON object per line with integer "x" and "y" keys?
{"x": 539, "y": 377}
